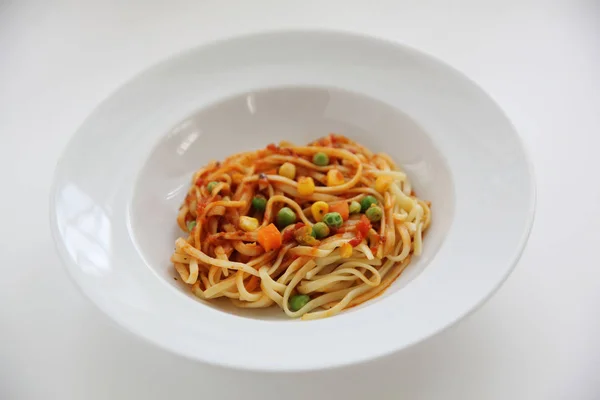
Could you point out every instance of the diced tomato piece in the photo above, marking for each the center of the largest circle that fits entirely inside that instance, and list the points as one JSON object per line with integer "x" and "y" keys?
{"x": 362, "y": 229}
{"x": 363, "y": 225}
{"x": 288, "y": 233}
{"x": 287, "y": 236}
{"x": 356, "y": 241}
{"x": 200, "y": 207}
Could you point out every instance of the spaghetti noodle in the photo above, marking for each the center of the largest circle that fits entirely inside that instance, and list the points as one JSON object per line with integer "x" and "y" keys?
{"x": 314, "y": 229}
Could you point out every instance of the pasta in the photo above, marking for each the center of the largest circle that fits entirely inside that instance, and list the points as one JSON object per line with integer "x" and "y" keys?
{"x": 311, "y": 229}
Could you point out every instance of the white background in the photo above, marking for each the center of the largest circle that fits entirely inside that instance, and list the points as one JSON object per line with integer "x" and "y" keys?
{"x": 537, "y": 338}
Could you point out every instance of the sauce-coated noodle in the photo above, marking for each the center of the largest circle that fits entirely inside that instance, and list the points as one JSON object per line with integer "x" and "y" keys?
{"x": 253, "y": 235}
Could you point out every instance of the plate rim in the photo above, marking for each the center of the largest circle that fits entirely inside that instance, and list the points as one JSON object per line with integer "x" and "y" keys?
{"x": 518, "y": 252}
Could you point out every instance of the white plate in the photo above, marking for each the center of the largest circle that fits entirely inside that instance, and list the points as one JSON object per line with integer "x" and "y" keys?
{"x": 123, "y": 175}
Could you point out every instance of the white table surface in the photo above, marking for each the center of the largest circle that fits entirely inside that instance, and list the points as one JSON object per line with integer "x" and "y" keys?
{"x": 537, "y": 338}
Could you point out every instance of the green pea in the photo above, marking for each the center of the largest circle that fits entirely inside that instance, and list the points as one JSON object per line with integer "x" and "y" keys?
{"x": 354, "y": 207}
{"x": 211, "y": 186}
{"x": 366, "y": 202}
{"x": 191, "y": 225}
{"x": 285, "y": 217}
{"x": 333, "y": 219}
{"x": 321, "y": 159}
{"x": 298, "y": 301}
{"x": 259, "y": 203}
{"x": 374, "y": 213}
{"x": 320, "y": 230}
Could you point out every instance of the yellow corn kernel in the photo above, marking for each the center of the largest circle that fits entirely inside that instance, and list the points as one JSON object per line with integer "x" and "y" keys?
{"x": 319, "y": 209}
{"x": 334, "y": 178}
{"x": 248, "y": 224}
{"x": 288, "y": 170}
{"x": 346, "y": 250}
{"x": 306, "y": 186}
{"x": 382, "y": 183}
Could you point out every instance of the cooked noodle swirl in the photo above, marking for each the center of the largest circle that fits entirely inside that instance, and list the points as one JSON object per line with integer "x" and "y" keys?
{"x": 312, "y": 229}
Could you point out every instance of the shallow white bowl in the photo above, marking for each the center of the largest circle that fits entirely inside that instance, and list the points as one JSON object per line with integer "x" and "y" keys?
{"x": 125, "y": 172}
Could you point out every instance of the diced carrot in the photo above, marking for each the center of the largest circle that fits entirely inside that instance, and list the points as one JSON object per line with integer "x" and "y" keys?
{"x": 341, "y": 208}
{"x": 269, "y": 237}
{"x": 252, "y": 283}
